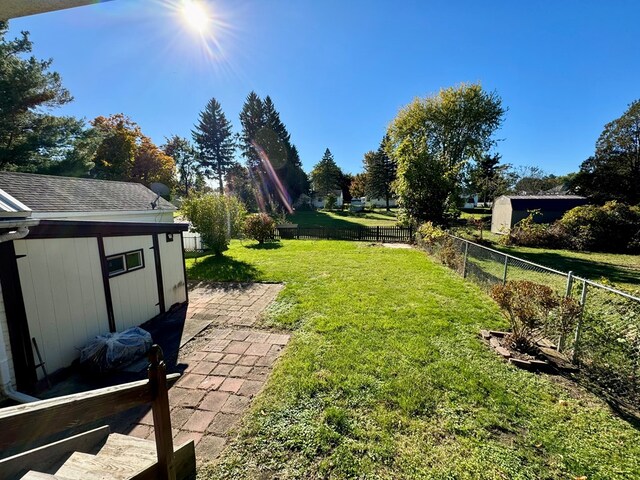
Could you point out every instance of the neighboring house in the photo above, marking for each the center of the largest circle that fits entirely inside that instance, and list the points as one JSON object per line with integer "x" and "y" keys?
{"x": 469, "y": 201}
{"x": 81, "y": 257}
{"x": 509, "y": 210}
{"x": 382, "y": 203}
{"x": 318, "y": 200}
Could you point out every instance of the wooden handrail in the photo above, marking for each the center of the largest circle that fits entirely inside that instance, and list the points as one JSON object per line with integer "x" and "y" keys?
{"x": 23, "y": 424}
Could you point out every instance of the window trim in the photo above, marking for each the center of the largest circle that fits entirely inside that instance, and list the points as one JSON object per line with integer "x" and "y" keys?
{"x": 124, "y": 262}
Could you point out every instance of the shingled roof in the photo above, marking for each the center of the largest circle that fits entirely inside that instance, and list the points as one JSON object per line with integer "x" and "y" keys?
{"x": 549, "y": 202}
{"x": 47, "y": 193}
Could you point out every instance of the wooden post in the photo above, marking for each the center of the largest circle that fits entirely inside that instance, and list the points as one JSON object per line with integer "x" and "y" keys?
{"x": 161, "y": 417}
{"x": 378, "y": 233}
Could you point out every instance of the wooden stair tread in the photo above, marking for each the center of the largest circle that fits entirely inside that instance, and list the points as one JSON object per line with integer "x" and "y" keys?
{"x": 83, "y": 466}
{"x": 33, "y": 475}
{"x": 129, "y": 449}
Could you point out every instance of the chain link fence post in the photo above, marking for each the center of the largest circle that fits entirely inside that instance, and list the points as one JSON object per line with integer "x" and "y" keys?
{"x": 504, "y": 274}
{"x": 466, "y": 255}
{"x": 569, "y": 284}
{"x": 576, "y": 337}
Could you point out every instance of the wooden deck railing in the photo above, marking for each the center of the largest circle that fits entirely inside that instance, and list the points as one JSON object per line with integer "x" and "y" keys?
{"x": 24, "y": 424}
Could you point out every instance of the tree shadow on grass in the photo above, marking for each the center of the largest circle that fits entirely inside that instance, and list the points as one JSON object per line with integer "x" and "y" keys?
{"x": 222, "y": 269}
{"x": 590, "y": 269}
{"x": 265, "y": 246}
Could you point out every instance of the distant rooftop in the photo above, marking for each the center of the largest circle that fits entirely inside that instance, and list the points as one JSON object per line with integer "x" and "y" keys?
{"x": 47, "y": 193}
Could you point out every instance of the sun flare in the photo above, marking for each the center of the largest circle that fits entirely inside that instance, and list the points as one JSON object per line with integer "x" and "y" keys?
{"x": 196, "y": 14}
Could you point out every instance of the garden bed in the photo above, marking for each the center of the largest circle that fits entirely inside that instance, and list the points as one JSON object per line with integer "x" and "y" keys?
{"x": 547, "y": 359}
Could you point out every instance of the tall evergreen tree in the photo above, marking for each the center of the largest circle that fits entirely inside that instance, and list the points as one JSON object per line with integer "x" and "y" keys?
{"x": 30, "y": 137}
{"x": 326, "y": 174}
{"x": 381, "y": 172}
{"x": 215, "y": 142}
{"x": 252, "y": 121}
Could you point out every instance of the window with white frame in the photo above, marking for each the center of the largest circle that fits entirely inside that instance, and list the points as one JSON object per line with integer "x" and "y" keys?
{"x": 125, "y": 262}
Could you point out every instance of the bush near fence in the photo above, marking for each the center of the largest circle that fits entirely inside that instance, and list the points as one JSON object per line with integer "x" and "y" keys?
{"x": 606, "y": 341}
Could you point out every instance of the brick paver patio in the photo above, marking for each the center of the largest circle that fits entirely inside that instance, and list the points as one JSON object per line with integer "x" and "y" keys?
{"x": 227, "y": 361}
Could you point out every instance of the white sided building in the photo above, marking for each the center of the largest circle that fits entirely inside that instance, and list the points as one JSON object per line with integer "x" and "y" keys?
{"x": 78, "y": 258}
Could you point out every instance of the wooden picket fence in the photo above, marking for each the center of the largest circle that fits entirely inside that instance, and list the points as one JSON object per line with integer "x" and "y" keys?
{"x": 356, "y": 233}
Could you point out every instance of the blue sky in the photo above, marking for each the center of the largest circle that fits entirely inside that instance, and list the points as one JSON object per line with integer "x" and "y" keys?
{"x": 338, "y": 71}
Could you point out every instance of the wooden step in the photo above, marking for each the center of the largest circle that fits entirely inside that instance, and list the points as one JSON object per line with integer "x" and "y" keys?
{"x": 51, "y": 456}
{"x": 33, "y": 475}
{"x": 124, "y": 448}
{"x": 82, "y": 466}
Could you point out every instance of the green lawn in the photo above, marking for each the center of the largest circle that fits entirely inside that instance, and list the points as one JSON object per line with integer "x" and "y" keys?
{"x": 322, "y": 218}
{"x": 385, "y": 378}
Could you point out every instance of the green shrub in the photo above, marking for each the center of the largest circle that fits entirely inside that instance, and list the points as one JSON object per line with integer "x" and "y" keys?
{"x": 612, "y": 227}
{"x": 217, "y": 218}
{"x": 528, "y": 233}
{"x": 430, "y": 233}
{"x": 259, "y": 226}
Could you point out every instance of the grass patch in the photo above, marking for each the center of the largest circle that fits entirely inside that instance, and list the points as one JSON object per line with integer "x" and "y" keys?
{"x": 322, "y": 218}
{"x": 385, "y": 379}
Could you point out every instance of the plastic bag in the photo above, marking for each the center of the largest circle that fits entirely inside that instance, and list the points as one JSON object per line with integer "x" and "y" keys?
{"x": 113, "y": 350}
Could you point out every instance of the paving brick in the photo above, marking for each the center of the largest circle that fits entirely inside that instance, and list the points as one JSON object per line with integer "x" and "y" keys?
{"x": 217, "y": 345}
{"x": 191, "y": 380}
{"x": 235, "y": 404}
{"x": 231, "y": 385}
{"x": 147, "y": 419}
{"x": 196, "y": 356}
{"x": 183, "y": 437}
{"x": 213, "y": 356}
{"x": 222, "y": 369}
{"x": 258, "y": 373}
{"x": 230, "y": 358}
{"x": 208, "y": 448}
{"x": 204, "y": 368}
{"x": 258, "y": 337}
{"x": 266, "y": 361}
{"x": 199, "y": 421}
{"x": 278, "y": 339}
{"x": 275, "y": 350}
{"x": 239, "y": 335}
{"x": 179, "y": 416}
{"x": 248, "y": 360}
{"x": 212, "y": 382}
{"x": 191, "y": 399}
{"x": 222, "y": 423}
{"x": 240, "y": 371}
{"x": 214, "y": 401}
{"x": 141, "y": 431}
{"x": 176, "y": 394}
{"x": 258, "y": 349}
{"x": 237, "y": 347}
{"x": 250, "y": 388}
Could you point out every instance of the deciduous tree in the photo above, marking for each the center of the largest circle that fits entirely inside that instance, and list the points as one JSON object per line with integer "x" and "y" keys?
{"x": 613, "y": 173}
{"x": 432, "y": 139}
{"x": 185, "y": 157}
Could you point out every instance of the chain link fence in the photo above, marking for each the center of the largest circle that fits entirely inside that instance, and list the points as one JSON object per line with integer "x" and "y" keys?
{"x": 605, "y": 342}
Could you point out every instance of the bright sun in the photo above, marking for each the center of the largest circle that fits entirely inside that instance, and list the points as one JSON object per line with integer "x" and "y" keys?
{"x": 196, "y": 14}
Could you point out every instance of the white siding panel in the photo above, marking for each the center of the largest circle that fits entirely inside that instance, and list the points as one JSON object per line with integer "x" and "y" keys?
{"x": 7, "y": 342}
{"x": 134, "y": 294}
{"x": 62, "y": 287}
{"x": 172, "y": 270}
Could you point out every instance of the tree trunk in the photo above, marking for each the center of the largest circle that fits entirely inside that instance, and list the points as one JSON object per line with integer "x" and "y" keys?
{"x": 220, "y": 181}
